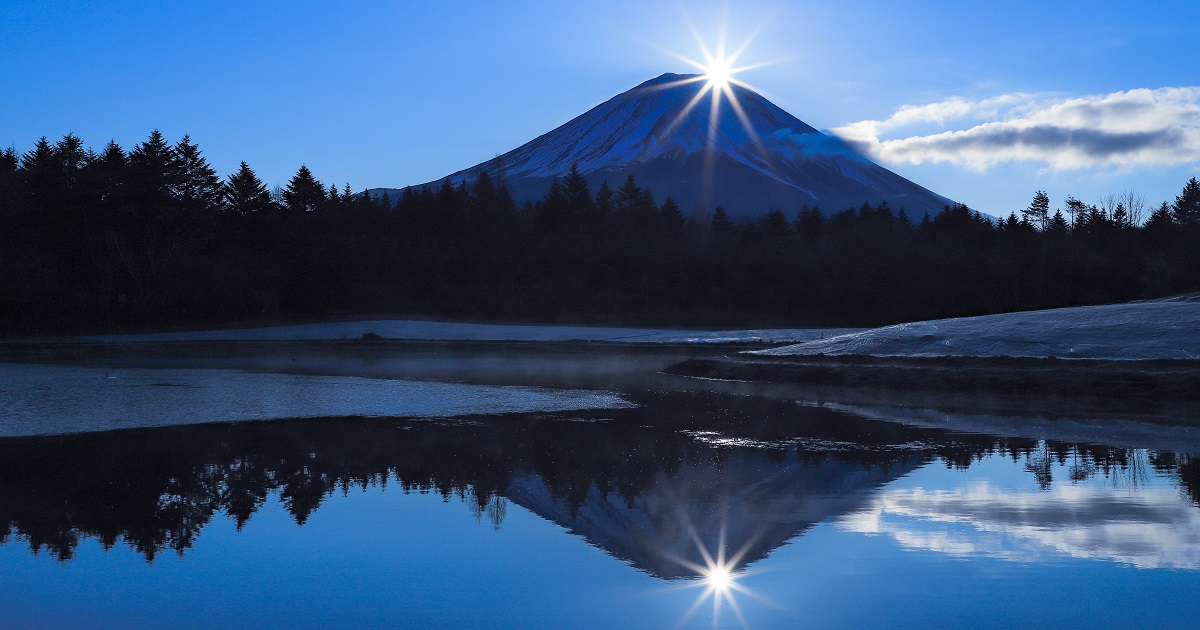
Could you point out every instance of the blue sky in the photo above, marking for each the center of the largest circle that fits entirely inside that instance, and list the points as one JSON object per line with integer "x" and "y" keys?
{"x": 389, "y": 93}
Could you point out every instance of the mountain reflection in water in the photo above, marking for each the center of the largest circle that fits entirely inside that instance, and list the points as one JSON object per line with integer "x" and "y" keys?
{"x": 651, "y": 485}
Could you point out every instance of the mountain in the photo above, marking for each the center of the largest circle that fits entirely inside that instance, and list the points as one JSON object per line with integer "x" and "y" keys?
{"x": 645, "y": 132}
{"x": 754, "y": 502}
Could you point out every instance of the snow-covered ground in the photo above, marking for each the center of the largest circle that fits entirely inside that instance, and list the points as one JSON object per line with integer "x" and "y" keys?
{"x": 451, "y": 331}
{"x": 58, "y": 399}
{"x": 1158, "y": 329}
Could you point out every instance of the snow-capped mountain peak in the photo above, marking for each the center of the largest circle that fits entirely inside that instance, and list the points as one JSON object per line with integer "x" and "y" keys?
{"x": 742, "y": 152}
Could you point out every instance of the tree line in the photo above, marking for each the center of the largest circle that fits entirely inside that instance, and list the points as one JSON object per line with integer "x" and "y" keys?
{"x": 152, "y": 236}
{"x": 155, "y": 490}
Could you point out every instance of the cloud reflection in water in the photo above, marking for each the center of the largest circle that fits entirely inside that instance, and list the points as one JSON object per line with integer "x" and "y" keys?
{"x": 1149, "y": 528}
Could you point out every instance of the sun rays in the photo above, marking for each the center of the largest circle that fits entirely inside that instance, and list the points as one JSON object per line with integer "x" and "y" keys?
{"x": 719, "y": 578}
{"x": 718, "y": 68}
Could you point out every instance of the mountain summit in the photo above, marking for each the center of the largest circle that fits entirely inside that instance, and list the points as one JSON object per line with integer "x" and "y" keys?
{"x": 749, "y": 162}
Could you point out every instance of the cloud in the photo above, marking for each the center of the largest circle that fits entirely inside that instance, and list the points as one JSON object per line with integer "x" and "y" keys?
{"x": 1152, "y": 528}
{"x": 1142, "y": 127}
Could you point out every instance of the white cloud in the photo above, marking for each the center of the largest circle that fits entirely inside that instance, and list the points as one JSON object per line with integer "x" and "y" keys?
{"x": 1152, "y": 528}
{"x": 1142, "y": 127}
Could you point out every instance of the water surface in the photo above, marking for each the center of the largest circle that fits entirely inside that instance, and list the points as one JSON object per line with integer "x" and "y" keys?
{"x": 608, "y": 515}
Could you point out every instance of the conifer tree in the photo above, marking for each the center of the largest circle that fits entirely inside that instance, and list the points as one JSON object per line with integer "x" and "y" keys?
{"x": 245, "y": 193}
{"x": 671, "y": 215}
{"x": 1076, "y": 211}
{"x": 628, "y": 196}
{"x": 721, "y": 222}
{"x": 198, "y": 188}
{"x": 810, "y": 222}
{"x": 155, "y": 168}
{"x": 1160, "y": 222}
{"x": 1186, "y": 209}
{"x": 604, "y": 199}
{"x": 41, "y": 176}
{"x": 9, "y": 187}
{"x": 1058, "y": 223}
{"x": 304, "y": 194}
{"x": 72, "y": 157}
{"x": 1038, "y": 212}
{"x": 579, "y": 194}
{"x": 775, "y": 222}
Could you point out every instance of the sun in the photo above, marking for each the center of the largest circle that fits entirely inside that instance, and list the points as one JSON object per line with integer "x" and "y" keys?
{"x": 719, "y": 578}
{"x": 718, "y": 67}
{"x": 718, "y": 73}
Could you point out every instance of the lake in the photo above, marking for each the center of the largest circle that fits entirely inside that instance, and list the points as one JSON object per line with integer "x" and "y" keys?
{"x": 562, "y": 488}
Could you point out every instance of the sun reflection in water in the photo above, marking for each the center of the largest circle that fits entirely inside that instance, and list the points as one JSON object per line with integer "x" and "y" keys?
{"x": 719, "y": 579}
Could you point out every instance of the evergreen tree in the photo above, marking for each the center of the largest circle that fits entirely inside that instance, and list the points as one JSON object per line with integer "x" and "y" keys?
{"x": 1038, "y": 212}
{"x": 10, "y": 189}
{"x": 1161, "y": 222}
{"x": 1076, "y": 211}
{"x": 198, "y": 188}
{"x": 110, "y": 169}
{"x": 1186, "y": 209}
{"x": 810, "y": 222}
{"x": 671, "y": 215}
{"x": 154, "y": 169}
{"x": 245, "y": 193}
{"x": 1120, "y": 216}
{"x": 72, "y": 158}
{"x": 1058, "y": 223}
{"x": 775, "y": 222}
{"x": 629, "y": 196}
{"x": 604, "y": 200}
{"x": 41, "y": 176}
{"x": 721, "y": 222}
{"x": 579, "y": 194}
{"x": 304, "y": 194}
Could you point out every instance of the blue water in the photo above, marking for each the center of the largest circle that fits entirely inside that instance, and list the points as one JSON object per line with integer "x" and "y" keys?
{"x": 598, "y": 518}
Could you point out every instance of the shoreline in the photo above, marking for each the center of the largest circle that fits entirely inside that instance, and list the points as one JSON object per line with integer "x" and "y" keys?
{"x": 1116, "y": 384}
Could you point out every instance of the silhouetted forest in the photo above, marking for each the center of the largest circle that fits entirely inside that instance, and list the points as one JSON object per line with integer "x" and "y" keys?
{"x": 152, "y": 236}
{"x": 154, "y": 490}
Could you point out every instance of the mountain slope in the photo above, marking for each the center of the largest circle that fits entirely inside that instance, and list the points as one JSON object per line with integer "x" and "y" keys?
{"x": 648, "y": 132}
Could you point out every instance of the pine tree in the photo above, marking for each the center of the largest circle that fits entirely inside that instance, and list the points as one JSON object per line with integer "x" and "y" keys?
{"x": 1058, "y": 223}
{"x": 671, "y": 216}
{"x": 604, "y": 199}
{"x": 41, "y": 175}
{"x": 198, "y": 188}
{"x": 721, "y": 222}
{"x": 1038, "y": 212}
{"x": 775, "y": 222}
{"x": 304, "y": 194}
{"x": 810, "y": 222}
{"x": 1186, "y": 209}
{"x": 1161, "y": 222}
{"x": 579, "y": 194}
{"x": 1076, "y": 211}
{"x": 154, "y": 168}
{"x": 9, "y": 187}
{"x": 72, "y": 157}
{"x": 245, "y": 193}
{"x": 629, "y": 195}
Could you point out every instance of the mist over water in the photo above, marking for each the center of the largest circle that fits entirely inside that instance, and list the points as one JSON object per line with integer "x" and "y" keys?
{"x": 599, "y": 493}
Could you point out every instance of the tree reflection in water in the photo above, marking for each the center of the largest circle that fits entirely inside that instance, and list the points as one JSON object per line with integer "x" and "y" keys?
{"x": 633, "y": 482}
